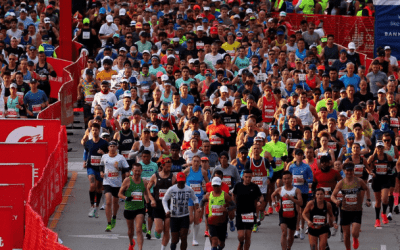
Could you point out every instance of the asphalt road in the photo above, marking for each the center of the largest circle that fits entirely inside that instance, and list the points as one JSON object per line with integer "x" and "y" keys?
{"x": 77, "y": 231}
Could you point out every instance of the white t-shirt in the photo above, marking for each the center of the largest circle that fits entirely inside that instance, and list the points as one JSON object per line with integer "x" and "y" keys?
{"x": 104, "y": 100}
{"x": 17, "y": 33}
{"x": 112, "y": 176}
{"x": 209, "y": 58}
{"x": 179, "y": 200}
{"x": 107, "y": 30}
{"x": 188, "y": 135}
{"x": 122, "y": 113}
{"x": 393, "y": 61}
{"x": 188, "y": 155}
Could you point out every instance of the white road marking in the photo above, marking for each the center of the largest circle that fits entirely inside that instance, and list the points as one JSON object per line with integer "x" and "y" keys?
{"x": 383, "y": 247}
{"x": 207, "y": 245}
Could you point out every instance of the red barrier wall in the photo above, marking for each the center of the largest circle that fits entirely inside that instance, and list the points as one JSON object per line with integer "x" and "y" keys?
{"x": 6, "y": 223}
{"x": 13, "y": 195}
{"x": 26, "y": 175}
{"x": 56, "y": 83}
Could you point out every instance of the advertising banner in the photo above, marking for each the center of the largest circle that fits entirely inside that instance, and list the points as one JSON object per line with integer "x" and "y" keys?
{"x": 26, "y": 175}
{"x": 6, "y": 235}
{"x": 387, "y": 25}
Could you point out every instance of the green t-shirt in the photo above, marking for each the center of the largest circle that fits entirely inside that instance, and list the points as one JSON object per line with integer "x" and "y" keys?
{"x": 154, "y": 71}
{"x": 307, "y": 6}
{"x": 277, "y": 150}
{"x": 322, "y": 103}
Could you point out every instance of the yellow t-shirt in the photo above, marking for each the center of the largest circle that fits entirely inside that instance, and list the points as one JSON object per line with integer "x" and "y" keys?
{"x": 105, "y": 76}
{"x": 231, "y": 48}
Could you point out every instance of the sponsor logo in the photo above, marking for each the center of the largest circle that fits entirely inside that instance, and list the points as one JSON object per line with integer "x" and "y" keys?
{"x": 26, "y": 134}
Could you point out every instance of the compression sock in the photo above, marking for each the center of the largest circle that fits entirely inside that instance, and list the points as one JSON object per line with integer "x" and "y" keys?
{"x": 391, "y": 203}
{"x": 396, "y": 198}
{"x": 162, "y": 247}
{"x": 384, "y": 206}
{"x": 91, "y": 195}
{"x": 114, "y": 217}
{"x": 173, "y": 246}
{"x": 196, "y": 229}
{"x": 377, "y": 211}
{"x": 98, "y": 198}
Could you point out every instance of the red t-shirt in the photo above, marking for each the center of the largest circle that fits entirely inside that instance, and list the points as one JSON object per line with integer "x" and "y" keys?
{"x": 212, "y": 130}
{"x": 327, "y": 181}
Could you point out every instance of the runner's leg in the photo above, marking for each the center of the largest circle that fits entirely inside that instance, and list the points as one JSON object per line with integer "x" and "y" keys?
{"x": 241, "y": 238}
{"x": 290, "y": 239}
{"x": 247, "y": 239}
{"x": 313, "y": 242}
{"x": 323, "y": 241}
{"x": 166, "y": 235}
{"x": 284, "y": 237}
{"x": 131, "y": 230}
{"x": 109, "y": 210}
{"x": 115, "y": 206}
{"x": 139, "y": 234}
{"x": 183, "y": 236}
{"x": 346, "y": 236}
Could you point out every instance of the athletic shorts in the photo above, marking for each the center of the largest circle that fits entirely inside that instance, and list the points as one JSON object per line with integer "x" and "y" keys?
{"x": 131, "y": 214}
{"x": 305, "y": 200}
{"x": 318, "y": 232}
{"x": 218, "y": 231}
{"x": 289, "y": 222}
{"x": 113, "y": 190}
{"x": 91, "y": 171}
{"x": 158, "y": 213}
{"x": 87, "y": 111}
{"x": 177, "y": 223}
{"x": 240, "y": 225}
{"x": 350, "y": 217}
{"x": 150, "y": 210}
{"x": 277, "y": 175}
{"x": 392, "y": 179}
{"x": 232, "y": 140}
{"x": 380, "y": 182}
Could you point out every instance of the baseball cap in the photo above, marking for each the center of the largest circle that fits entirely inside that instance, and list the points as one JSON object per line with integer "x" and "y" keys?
{"x": 112, "y": 143}
{"x": 381, "y": 53}
{"x": 102, "y": 10}
{"x": 204, "y": 158}
{"x": 122, "y": 12}
{"x": 382, "y": 91}
{"x": 197, "y": 109}
{"x": 86, "y": 20}
{"x": 324, "y": 39}
{"x": 299, "y": 152}
{"x": 216, "y": 181}
{"x": 387, "y": 48}
{"x": 116, "y": 35}
{"x": 89, "y": 72}
{"x": 109, "y": 19}
{"x": 290, "y": 110}
{"x": 105, "y": 134}
{"x": 312, "y": 67}
{"x": 321, "y": 67}
{"x": 146, "y": 51}
{"x": 282, "y": 13}
{"x": 214, "y": 30}
{"x": 47, "y": 20}
{"x": 154, "y": 110}
{"x": 154, "y": 128}
{"x": 228, "y": 104}
{"x": 343, "y": 90}
{"x": 351, "y": 135}
{"x": 298, "y": 60}
{"x": 343, "y": 51}
{"x": 180, "y": 177}
{"x": 380, "y": 144}
{"x": 280, "y": 32}
{"x": 224, "y": 89}
{"x": 236, "y": 16}
{"x": 196, "y": 7}
{"x": 327, "y": 75}
{"x": 13, "y": 85}
{"x": 249, "y": 11}
{"x": 262, "y": 135}
{"x": 200, "y": 28}
{"x": 352, "y": 45}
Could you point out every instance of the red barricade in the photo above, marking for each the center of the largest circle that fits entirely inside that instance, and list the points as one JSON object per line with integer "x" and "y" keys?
{"x": 6, "y": 242}
{"x": 13, "y": 195}
{"x": 58, "y": 66}
{"x": 25, "y": 174}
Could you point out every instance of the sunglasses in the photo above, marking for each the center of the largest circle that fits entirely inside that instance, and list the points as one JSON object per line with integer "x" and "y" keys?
{"x": 90, "y": 61}
{"x": 128, "y": 37}
{"x": 351, "y": 139}
{"x": 386, "y": 140}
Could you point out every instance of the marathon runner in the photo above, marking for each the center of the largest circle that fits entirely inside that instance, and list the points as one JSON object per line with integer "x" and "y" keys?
{"x": 219, "y": 204}
{"x": 126, "y": 138}
{"x": 112, "y": 167}
{"x": 160, "y": 182}
{"x": 231, "y": 174}
{"x": 351, "y": 204}
{"x": 178, "y": 210}
{"x": 289, "y": 197}
{"x": 134, "y": 192}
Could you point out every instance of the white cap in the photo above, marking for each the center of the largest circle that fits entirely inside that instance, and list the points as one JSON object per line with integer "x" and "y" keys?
{"x": 13, "y": 85}
{"x": 175, "y": 39}
{"x": 104, "y": 134}
{"x": 282, "y": 13}
{"x": 154, "y": 128}
{"x": 127, "y": 94}
{"x": 170, "y": 56}
{"x": 122, "y": 49}
{"x": 200, "y": 28}
{"x": 145, "y": 51}
{"x": 109, "y": 19}
{"x": 166, "y": 83}
{"x": 133, "y": 23}
{"x": 352, "y": 45}
{"x": 258, "y": 138}
{"x": 343, "y": 114}
{"x": 270, "y": 20}
{"x": 23, "y": 10}
{"x": 387, "y": 48}
{"x": 236, "y": 16}
{"x": 206, "y": 8}
{"x": 164, "y": 78}
{"x": 262, "y": 134}
{"x": 124, "y": 80}
{"x": 216, "y": 181}
{"x": 224, "y": 89}
{"x": 382, "y": 91}
{"x": 248, "y": 11}
{"x": 47, "y": 20}
{"x": 122, "y": 12}
{"x": 313, "y": 45}
{"x": 378, "y": 144}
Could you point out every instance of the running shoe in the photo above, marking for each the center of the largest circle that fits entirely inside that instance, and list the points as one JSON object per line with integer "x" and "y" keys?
{"x": 262, "y": 215}
{"x": 231, "y": 226}
{"x": 195, "y": 243}
{"x": 333, "y": 231}
{"x": 270, "y": 210}
{"x": 109, "y": 227}
{"x": 396, "y": 209}
{"x": 206, "y": 234}
{"x": 266, "y": 213}
{"x": 91, "y": 212}
{"x": 302, "y": 235}
{"x": 113, "y": 222}
{"x": 157, "y": 235}
{"x": 255, "y": 228}
{"x": 103, "y": 207}
{"x": 389, "y": 216}
{"x": 277, "y": 208}
{"x": 144, "y": 228}
{"x": 356, "y": 243}
{"x": 148, "y": 235}
{"x": 96, "y": 213}
{"x": 132, "y": 246}
{"x": 384, "y": 219}
{"x": 377, "y": 223}
{"x": 297, "y": 234}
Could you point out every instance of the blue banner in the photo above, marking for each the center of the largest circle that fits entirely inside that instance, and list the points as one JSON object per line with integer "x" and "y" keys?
{"x": 387, "y": 25}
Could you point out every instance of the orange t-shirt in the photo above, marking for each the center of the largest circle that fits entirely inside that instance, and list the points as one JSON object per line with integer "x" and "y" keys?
{"x": 212, "y": 130}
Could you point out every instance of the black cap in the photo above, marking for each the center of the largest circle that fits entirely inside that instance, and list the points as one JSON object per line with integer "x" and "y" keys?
{"x": 381, "y": 53}
{"x": 112, "y": 143}
{"x": 299, "y": 152}
{"x": 89, "y": 72}
{"x": 228, "y": 104}
{"x": 325, "y": 158}
{"x": 33, "y": 80}
{"x": 125, "y": 120}
{"x": 104, "y": 83}
{"x": 325, "y": 74}
{"x": 323, "y": 109}
{"x": 146, "y": 130}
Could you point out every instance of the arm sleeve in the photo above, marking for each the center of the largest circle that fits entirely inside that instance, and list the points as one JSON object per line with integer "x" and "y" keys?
{"x": 165, "y": 200}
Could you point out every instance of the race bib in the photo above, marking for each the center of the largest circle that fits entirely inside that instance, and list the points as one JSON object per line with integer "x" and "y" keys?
{"x": 137, "y": 196}
{"x": 318, "y": 220}
{"x": 95, "y": 160}
{"x": 381, "y": 169}
{"x": 113, "y": 175}
{"x": 146, "y": 178}
{"x": 358, "y": 169}
{"x": 302, "y": 77}
{"x": 310, "y": 188}
{"x": 89, "y": 98}
{"x": 199, "y": 45}
{"x": 332, "y": 146}
{"x": 231, "y": 53}
{"x": 227, "y": 180}
{"x": 339, "y": 196}
{"x": 125, "y": 154}
{"x": 331, "y": 61}
{"x": 248, "y": 218}
{"x": 287, "y": 208}
{"x": 36, "y": 108}
{"x": 231, "y": 127}
{"x": 258, "y": 180}
{"x": 11, "y": 113}
{"x": 85, "y": 35}
{"x": 293, "y": 143}
{"x": 269, "y": 113}
{"x": 327, "y": 192}
{"x": 161, "y": 193}
{"x": 216, "y": 210}
{"x": 145, "y": 90}
{"x": 298, "y": 180}
{"x": 278, "y": 161}
{"x": 351, "y": 199}
{"x": 394, "y": 122}
{"x": 20, "y": 96}
{"x": 196, "y": 188}
{"x": 215, "y": 140}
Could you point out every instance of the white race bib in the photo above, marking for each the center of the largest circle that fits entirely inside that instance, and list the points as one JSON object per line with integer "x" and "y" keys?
{"x": 137, "y": 196}
{"x": 95, "y": 160}
{"x": 394, "y": 122}
{"x": 216, "y": 210}
{"x": 257, "y": 180}
{"x": 113, "y": 175}
{"x": 86, "y": 35}
{"x": 381, "y": 169}
{"x": 248, "y": 218}
{"x": 298, "y": 180}
{"x": 196, "y": 188}
{"x": 36, "y": 108}
{"x": 161, "y": 193}
{"x": 12, "y": 113}
{"x": 318, "y": 220}
{"x": 327, "y": 192}
{"x": 358, "y": 169}
{"x": 351, "y": 199}
{"x": 125, "y": 154}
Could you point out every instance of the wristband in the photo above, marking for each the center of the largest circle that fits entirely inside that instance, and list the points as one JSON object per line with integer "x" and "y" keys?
{"x": 130, "y": 198}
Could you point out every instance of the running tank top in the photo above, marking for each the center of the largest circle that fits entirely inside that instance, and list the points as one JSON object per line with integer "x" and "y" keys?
{"x": 288, "y": 207}
{"x": 239, "y": 165}
{"x": 381, "y": 167}
{"x": 304, "y": 115}
{"x": 176, "y": 111}
{"x": 137, "y": 127}
{"x": 359, "y": 168}
{"x": 161, "y": 187}
{"x": 352, "y": 200}
{"x": 318, "y": 216}
{"x": 194, "y": 180}
{"x": 361, "y": 142}
{"x": 166, "y": 99}
{"x": 311, "y": 82}
{"x": 269, "y": 108}
{"x": 150, "y": 148}
{"x": 344, "y": 132}
{"x": 137, "y": 191}
{"x": 221, "y": 103}
{"x": 215, "y": 204}
{"x": 125, "y": 143}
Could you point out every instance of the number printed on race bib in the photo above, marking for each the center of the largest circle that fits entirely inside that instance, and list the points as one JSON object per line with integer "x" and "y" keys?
{"x": 95, "y": 160}
{"x": 36, "y": 108}
{"x": 332, "y": 146}
{"x": 318, "y": 220}
{"x": 196, "y": 188}
{"x": 216, "y": 210}
{"x": 269, "y": 113}
{"x": 248, "y": 218}
{"x": 137, "y": 196}
{"x": 327, "y": 192}
{"x": 394, "y": 122}
{"x": 298, "y": 180}
{"x": 125, "y": 154}
{"x": 215, "y": 140}
{"x": 381, "y": 169}
{"x": 161, "y": 193}
{"x": 89, "y": 98}
{"x": 293, "y": 143}
{"x": 258, "y": 180}
{"x": 227, "y": 180}
{"x": 339, "y": 196}
{"x": 113, "y": 175}
{"x": 358, "y": 169}
{"x": 11, "y": 113}
{"x": 278, "y": 161}
{"x": 351, "y": 199}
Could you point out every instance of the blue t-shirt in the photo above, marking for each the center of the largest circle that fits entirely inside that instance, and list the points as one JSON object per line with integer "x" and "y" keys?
{"x": 354, "y": 80}
{"x": 34, "y": 100}
{"x": 188, "y": 100}
{"x": 303, "y": 84}
{"x": 242, "y": 63}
